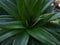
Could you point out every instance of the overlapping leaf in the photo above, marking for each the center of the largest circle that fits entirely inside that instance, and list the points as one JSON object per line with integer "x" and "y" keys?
{"x": 53, "y": 26}
{"x": 8, "y": 22}
{"x": 12, "y": 25}
{"x": 44, "y": 36}
{"x": 56, "y": 16}
{"x": 9, "y": 7}
{"x": 9, "y": 34}
{"x": 57, "y": 35}
{"x": 22, "y": 10}
{"x": 43, "y": 19}
{"x": 21, "y": 39}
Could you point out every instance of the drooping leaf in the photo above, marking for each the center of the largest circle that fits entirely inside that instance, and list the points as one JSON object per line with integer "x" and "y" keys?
{"x": 47, "y": 3}
{"x": 12, "y": 25}
{"x": 9, "y": 40}
{"x": 57, "y": 35}
{"x": 53, "y": 26}
{"x": 44, "y": 36}
{"x": 56, "y": 16}
{"x": 21, "y": 39}
{"x": 3, "y": 31}
{"x": 9, "y": 34}
{"x": 6, "y": 21}
{"x": 43, "y": 19}
{"x": 6, "y": 18}
{"x": 10, "y": 8}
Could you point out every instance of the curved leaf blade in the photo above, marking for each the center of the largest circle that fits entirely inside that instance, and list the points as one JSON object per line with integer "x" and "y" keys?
{"x": 9, "y": 7}
{"x": 22, "y": 10}
{"x": 55, "y": 27}
{"x": 12, "y": 25}
{"x": 57, "y": 35}
{"x": 44, "y": 36}
{"x": 56, "y": 16}
{"x": 21, "y": 39}
{"x": 9, "y": 34}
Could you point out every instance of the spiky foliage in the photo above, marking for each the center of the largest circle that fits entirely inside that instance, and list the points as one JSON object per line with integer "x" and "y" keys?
{"x": 28, "y": 23}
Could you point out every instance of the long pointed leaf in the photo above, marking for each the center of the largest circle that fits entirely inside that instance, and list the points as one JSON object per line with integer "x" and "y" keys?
{"x": 21, "y": 39}
{"x": 7, "y": 35}
{"x": 53, "y": 32}
{"x": 53, "y": 26}
{"x": 44, "y": 36}
{"x": 9, "y": 7}
{"x": 22, "y": 10}
{"x": 12, "y": 25}
{"x": 56, "y": 16}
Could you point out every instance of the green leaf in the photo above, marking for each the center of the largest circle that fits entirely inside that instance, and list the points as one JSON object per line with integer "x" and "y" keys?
{"x": 47, "y": 3}
{"x": 9, "y": 40}
{"x": 43, "y": 19}
{"x": 56, "y": 16}
{"x": 3, "y": 31}
{"x": 40, "y": 7}
{"x": 37, "y": 8}
{"x": 44, "y": 36}
{"x": 21, "y": 39}
{"x": 6, "y": 21}
{"x": 53, "y": 32}
{"x": 22, "y": 10}
{"x": 13, "y": 1}
{"x": 30, "y": 4}
{"x": 6, "y": 18}
{"x": 9, "y": 34}
{"x": 53, "y": 26}
{"x": 9, "y": 7}
{"x": 12, "y": 25}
